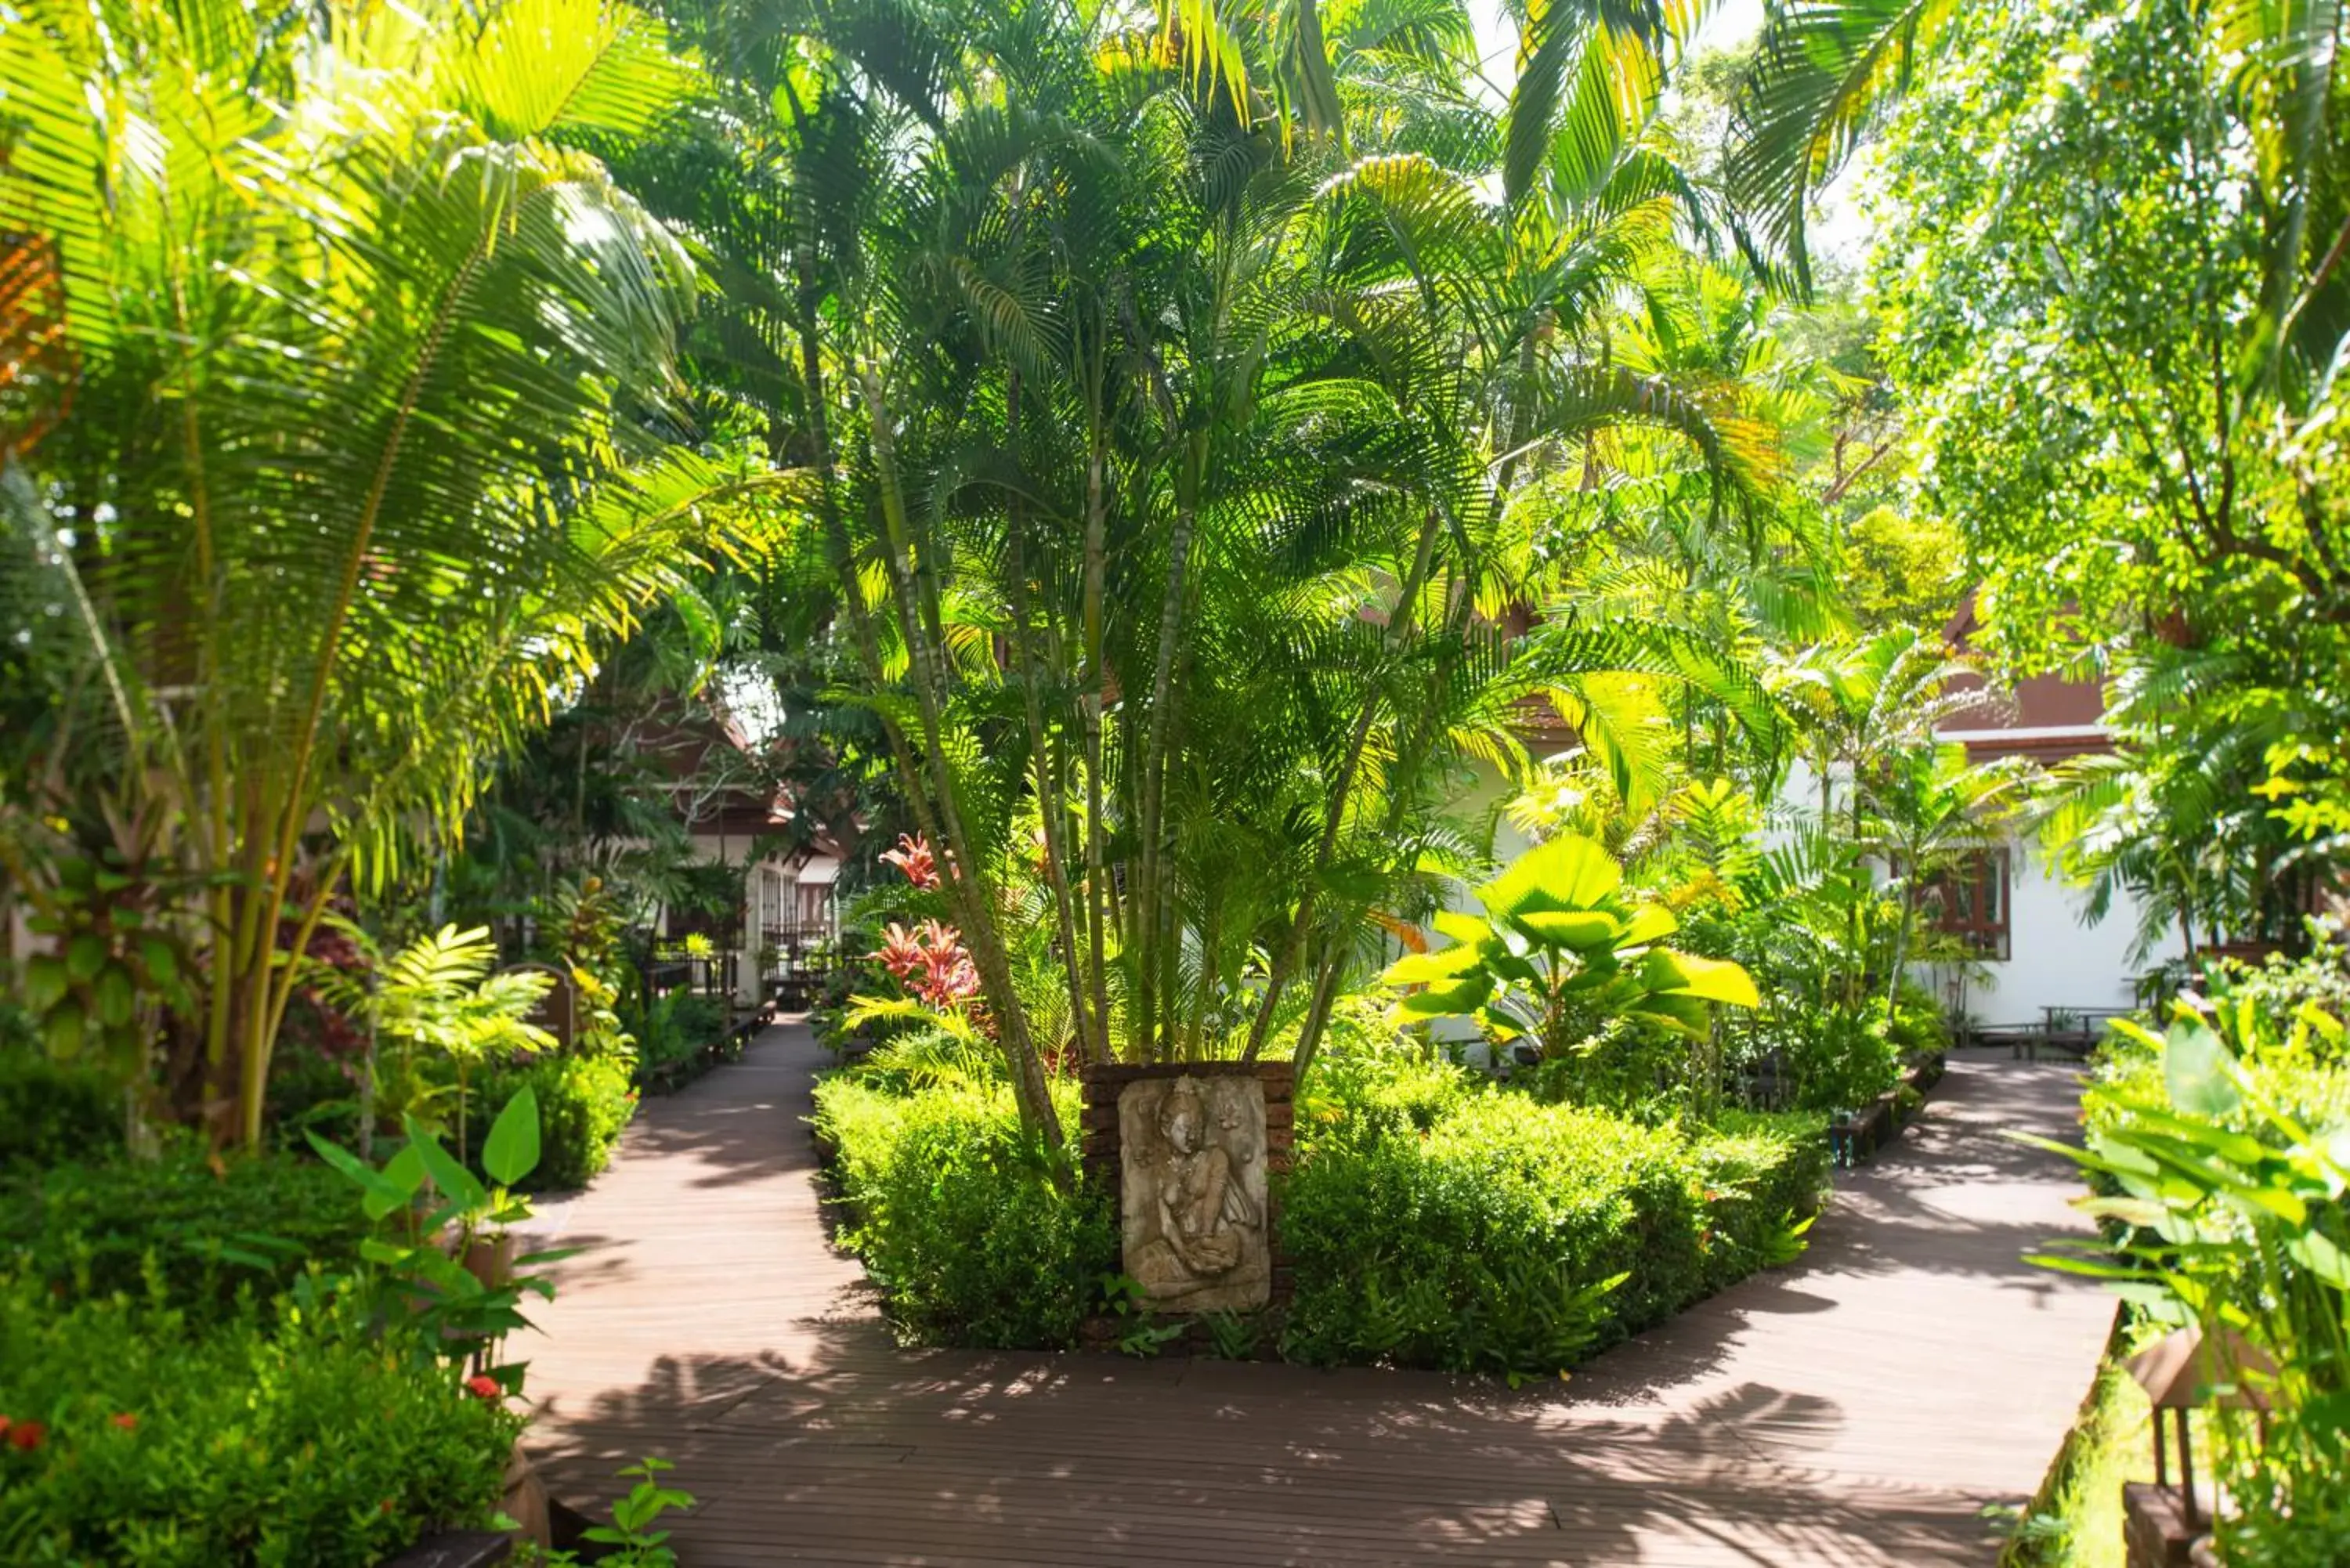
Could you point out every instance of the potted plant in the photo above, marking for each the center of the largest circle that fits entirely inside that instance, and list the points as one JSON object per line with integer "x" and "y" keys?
{"x": 457, "y": 1259}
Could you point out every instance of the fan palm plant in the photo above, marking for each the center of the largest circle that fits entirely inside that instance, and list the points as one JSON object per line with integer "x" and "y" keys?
{"x": 366, "y": 368}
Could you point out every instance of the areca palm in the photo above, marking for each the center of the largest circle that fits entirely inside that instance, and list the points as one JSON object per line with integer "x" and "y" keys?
{"x": 367, "y": 363}
{"x": 1869, "y": 703}
{"x": 1165, "y": 434}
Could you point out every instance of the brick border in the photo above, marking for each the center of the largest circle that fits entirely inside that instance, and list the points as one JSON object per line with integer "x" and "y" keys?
{"x": 1102, "y": 1148}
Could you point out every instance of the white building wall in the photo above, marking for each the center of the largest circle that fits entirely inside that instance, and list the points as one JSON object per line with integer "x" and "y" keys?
{"x": 2057, "y": 958}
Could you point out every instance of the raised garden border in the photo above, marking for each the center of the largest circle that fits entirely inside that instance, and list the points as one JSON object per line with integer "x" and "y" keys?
{"x": 677, "y": 1073}
{"x": 1860, "y": 1139}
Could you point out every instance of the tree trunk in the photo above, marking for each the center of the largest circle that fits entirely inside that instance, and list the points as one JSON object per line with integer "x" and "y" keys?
{"x": 1149, "y": 899}
{"x": 1048, "y": 801}
{"x": 966, "y": 883}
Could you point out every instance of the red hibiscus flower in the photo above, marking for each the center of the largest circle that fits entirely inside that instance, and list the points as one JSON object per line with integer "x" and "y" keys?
{"x": 483, "y": 1387}
{"x": 26, "y": 1436}
{"x": 125, "y": 1421}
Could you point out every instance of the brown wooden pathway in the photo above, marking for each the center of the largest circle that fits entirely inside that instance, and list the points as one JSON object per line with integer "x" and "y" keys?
{"x": 1859, "y": 1408}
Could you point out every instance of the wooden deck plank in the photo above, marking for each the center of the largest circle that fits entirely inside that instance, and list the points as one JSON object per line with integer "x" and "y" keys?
{"x": 1859, "y": 1408}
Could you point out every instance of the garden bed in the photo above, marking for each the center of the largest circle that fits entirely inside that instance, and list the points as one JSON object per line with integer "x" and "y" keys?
{"x": 1856, "y": 1137}
{"x": 1431, "y": 1219}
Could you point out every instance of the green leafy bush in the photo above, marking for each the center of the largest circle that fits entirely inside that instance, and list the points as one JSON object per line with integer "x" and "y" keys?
{"x": 1758, "y": 1173}
{"x": 52, "y": 1114}
{"x": 1356, "y": 1099}
{"x": 1435, "y": 1222}
{"x": 1840, "y": 1062}
{"x": 584, "y": 1104}
{"x": 1432, "y": 1219}
{"x": 2218, "y": 1153}
{"x": 297, "y": 1436}
{"x": 1474, "y": 1246}
{"x": 672, "y": 1032}
{"x": 956, "y": 1217}
{"x": 197, "y": 1233}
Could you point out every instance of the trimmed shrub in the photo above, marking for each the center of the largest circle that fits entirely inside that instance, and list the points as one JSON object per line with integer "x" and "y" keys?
{"x": 584, "y": 1104}
{"x": 283, "y": 1438}
{"x": 1434, "y": 1219}
{"x": 1355, "y": 1101}
{"x": 181, "y": 1228}
{"x": 1482, "y": 1245}
{"x": 1759, "y": 1174}
{"x": 54, "y": 1114}
{"x": 1431, "y": 1218}
{"x": 953, "y": 1211}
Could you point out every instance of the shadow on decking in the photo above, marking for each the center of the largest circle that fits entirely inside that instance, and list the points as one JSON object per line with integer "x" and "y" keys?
{"x": 859, "y": 1450}
{"x": 725, "y": 1124}
{"x": 1708, "y": 1439}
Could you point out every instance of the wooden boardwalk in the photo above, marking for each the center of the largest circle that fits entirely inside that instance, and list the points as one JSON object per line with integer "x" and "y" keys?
{"x": 1861, "y": 1407}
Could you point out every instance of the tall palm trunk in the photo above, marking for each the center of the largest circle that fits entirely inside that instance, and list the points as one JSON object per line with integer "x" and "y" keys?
{"x": 1048, "y": 794}
{"x": 1150, "y": 898}
{"x": 915, "y": 588}
{"x": 1030, "y": 1094}
{"x": 1335, "y": 814}
{"x": 1097, "y": 553}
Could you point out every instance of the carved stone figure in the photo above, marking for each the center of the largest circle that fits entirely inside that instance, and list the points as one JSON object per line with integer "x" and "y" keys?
{"x": 1193, "y": 1193}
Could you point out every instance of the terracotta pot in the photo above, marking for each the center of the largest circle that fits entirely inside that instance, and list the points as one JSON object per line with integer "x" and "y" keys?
{"x": 490, "y": 1260}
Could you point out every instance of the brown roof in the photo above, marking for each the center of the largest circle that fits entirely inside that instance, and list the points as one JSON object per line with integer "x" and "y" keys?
{"x": 2048, "y": 717}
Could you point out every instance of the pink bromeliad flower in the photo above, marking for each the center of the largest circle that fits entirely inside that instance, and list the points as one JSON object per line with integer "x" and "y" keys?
{"x": 914, "y": 857}
{"x": 931, "y": 962}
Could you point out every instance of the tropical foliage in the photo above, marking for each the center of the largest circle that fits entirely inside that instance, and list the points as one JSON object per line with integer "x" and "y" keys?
{"x": 2217, "y": 1151}
{"x": 366, "y": 361}
{"x": 1242, "y": 536}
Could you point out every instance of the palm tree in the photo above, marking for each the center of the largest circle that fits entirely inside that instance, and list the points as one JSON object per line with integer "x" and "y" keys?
{"x": 1165, "y": 427}
{"x": 369, "y": 370}
{"x": 1869, "y": 703}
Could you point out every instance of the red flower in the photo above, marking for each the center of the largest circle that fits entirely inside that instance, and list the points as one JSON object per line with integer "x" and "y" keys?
{"x": 126, "y": 1421}
{"x": 483, "y": 1387}
{"x": 915, "y": 858}
{"x": 901, "y": 953}
{"x": 932, "y": 964}
{"x": 26, "y": 1436}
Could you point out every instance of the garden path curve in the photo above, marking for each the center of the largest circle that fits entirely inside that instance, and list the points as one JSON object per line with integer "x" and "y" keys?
{"x": 1861, "y": 1407}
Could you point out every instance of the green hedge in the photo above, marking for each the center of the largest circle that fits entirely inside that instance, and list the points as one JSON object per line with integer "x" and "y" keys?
{"x": 1755, "y": 1172}
{"x": 951, "y": 1209}
{"x": 584, "y": 1104}
{"x": 181, "y": 1228}
{"x": 1473, "y": 1246}
{"x": 52, "y": 1115}
{"x": 1485, "y": 1241}
{"x": 1432, "y": 1220}
{"x": 282, "y": 1439}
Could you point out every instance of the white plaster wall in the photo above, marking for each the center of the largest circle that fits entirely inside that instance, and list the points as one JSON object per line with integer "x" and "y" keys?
{"x": 2057, "y": 958}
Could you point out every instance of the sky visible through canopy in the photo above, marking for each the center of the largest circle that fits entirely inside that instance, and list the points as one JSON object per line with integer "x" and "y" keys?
{"x": 1841, "y": 233}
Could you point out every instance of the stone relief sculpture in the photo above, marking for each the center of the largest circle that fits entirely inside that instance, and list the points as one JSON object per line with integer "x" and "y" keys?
{"x": 1193, "y": 1193}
